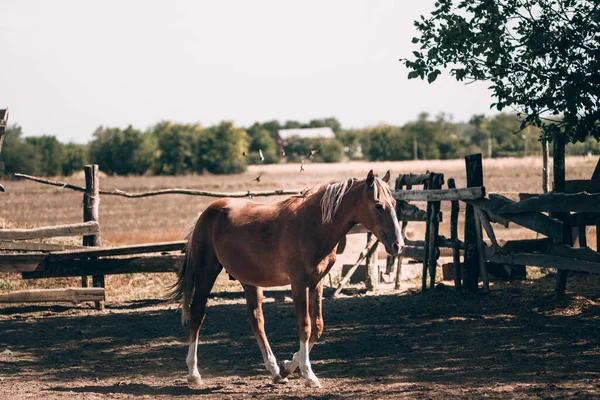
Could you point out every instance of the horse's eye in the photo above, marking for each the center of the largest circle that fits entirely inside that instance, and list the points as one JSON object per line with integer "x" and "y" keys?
{"x": 379, "y": 206}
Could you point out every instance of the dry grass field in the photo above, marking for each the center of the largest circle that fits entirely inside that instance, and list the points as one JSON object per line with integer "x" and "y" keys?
{"x": 517, "y": 342}
{"x": 170, "y": 217}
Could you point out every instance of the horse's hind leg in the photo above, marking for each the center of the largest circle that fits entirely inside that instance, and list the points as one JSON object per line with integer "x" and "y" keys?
{"x": 254, "y": 299}
{"x": 205, "y": 280}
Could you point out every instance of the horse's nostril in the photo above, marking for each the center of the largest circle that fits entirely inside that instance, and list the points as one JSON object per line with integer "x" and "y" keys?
{"x": 396, "y": 247}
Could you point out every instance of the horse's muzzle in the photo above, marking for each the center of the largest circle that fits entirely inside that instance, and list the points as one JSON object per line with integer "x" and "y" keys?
{"x": 393, "y": 248}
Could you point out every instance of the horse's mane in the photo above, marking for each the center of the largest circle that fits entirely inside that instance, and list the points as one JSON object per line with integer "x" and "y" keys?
{"x": 335, "y": 192}
{"x": 332, "y": 198}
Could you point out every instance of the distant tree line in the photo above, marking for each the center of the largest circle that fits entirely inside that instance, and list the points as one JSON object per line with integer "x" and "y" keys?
{"x": 170, "y": 148}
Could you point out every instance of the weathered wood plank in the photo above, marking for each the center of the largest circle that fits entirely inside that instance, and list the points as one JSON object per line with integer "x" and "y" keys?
{"x": 481, "y": 251}
{"x": 546, "y": 261}
{"x": 545, "y": 168}
{"x": 32, "y": 246}
{"x": 471, "y": 193}
{"x": 474, "y": 168}
{"x": 80, "y": 229}
{"x": 555, "y": 202}
{"x": 20, "y": 262}
{"x": 413, "y": 179}
{"x": 117, "y": 251}
{"x": 454, "y": 238}
{"x": 53, "y": 295}
{"x": 525, "y": 245}
{"x": 106, "y": 266}
{"x": 411, "y": 213}
{"x": 582, "y": 185}
{"x": 535, "y": 221}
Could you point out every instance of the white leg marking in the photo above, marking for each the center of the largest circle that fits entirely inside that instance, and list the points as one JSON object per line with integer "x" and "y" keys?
{"x": 192, "y": 363}
{"x": 270, "y": 362}
{"x": 290, "y": 366}
{"x": 305, "y": 368}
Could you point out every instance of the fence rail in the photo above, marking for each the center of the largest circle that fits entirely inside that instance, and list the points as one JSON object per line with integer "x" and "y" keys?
{"x": 79, "y": 229}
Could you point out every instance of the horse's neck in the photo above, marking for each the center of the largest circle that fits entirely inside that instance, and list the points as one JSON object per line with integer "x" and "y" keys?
{"x": 329, "y": 234}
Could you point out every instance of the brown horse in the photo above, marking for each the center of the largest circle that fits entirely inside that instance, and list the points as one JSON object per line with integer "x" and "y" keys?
{"x": 290, "y": 242}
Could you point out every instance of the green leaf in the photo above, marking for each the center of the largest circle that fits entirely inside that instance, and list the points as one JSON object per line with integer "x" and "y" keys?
{"x": 413, "y": 74}
{"x": 432, "y": 76}
{"x": 415, "y": 40}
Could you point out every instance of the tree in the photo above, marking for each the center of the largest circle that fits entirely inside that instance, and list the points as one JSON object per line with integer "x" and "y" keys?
{"x": 75, "y": 157}
{"x": 389, "y": 143}
{"x": 115, "y": 150}
{"x": 176, "y": 153}
{"x": 221, "y": 148}
{"x": 261, "y": 140}
{"x": 50, "y": 152}
{"x": 541, "y": 57}
{"x": 19, "y": 155}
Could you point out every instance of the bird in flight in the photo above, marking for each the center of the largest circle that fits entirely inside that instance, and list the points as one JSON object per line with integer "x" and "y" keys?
{"x": 312, "y": 153}
{"x": 257, "y": 179}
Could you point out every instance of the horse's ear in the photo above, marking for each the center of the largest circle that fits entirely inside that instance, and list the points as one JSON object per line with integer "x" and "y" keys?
{"x": 370, "y": 178}
{"x": 386, "y": 178}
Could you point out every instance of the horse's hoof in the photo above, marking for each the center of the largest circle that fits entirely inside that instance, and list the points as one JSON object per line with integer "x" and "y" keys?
{"x": 195, "y": 380}
{"x": 280, "y": 379}
{"x": 313, "y": 383}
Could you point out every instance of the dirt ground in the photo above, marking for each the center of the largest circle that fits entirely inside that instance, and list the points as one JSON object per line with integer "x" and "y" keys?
{"x": 519, "y": 342}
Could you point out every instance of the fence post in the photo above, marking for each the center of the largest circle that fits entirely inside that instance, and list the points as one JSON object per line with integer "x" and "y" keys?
{"x": 545, "y": 168}
{"x": 454, "y": 238}
{"x": 91, "y": 206}
{"x": 474, "y": 168}
{"x": 372, "y": 279}
{"x": 402, "y": 233}
{"x": 432, "y": 251}
{"x": 559, "y": 187}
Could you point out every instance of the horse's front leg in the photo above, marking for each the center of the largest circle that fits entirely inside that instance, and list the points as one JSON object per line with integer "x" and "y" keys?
{"x": 316, "y": 319}
{"x": 300, "y": 294}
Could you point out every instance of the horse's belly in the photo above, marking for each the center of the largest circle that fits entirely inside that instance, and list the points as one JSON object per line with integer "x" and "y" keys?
{"x": 252, "y": 270}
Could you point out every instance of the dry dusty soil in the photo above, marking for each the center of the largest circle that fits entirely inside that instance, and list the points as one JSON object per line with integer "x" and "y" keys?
{"x": 518, "y": 342}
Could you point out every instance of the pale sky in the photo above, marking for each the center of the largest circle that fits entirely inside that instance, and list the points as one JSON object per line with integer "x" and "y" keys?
{"x": 68, "y": 66}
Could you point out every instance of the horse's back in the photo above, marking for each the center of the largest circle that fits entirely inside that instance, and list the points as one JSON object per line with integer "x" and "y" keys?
{"x": 245, "y": 236}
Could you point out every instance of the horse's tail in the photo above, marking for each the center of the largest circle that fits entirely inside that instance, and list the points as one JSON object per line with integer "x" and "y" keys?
{"x": 183, "y": 290}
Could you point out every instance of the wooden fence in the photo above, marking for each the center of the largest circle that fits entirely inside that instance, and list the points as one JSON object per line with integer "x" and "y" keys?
{"x": 578, "y": 210}
{"x": 46, "y": 260}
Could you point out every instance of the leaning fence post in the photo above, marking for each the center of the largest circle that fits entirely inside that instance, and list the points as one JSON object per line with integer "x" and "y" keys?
{"x": 91, "y": 206}
{"x": 474, "y": 168}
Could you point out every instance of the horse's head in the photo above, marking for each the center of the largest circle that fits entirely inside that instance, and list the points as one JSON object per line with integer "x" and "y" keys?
{"x": 377, "y": 213}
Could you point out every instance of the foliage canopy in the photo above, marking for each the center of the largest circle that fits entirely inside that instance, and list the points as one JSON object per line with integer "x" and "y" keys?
{"x": 542, "y": 57}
